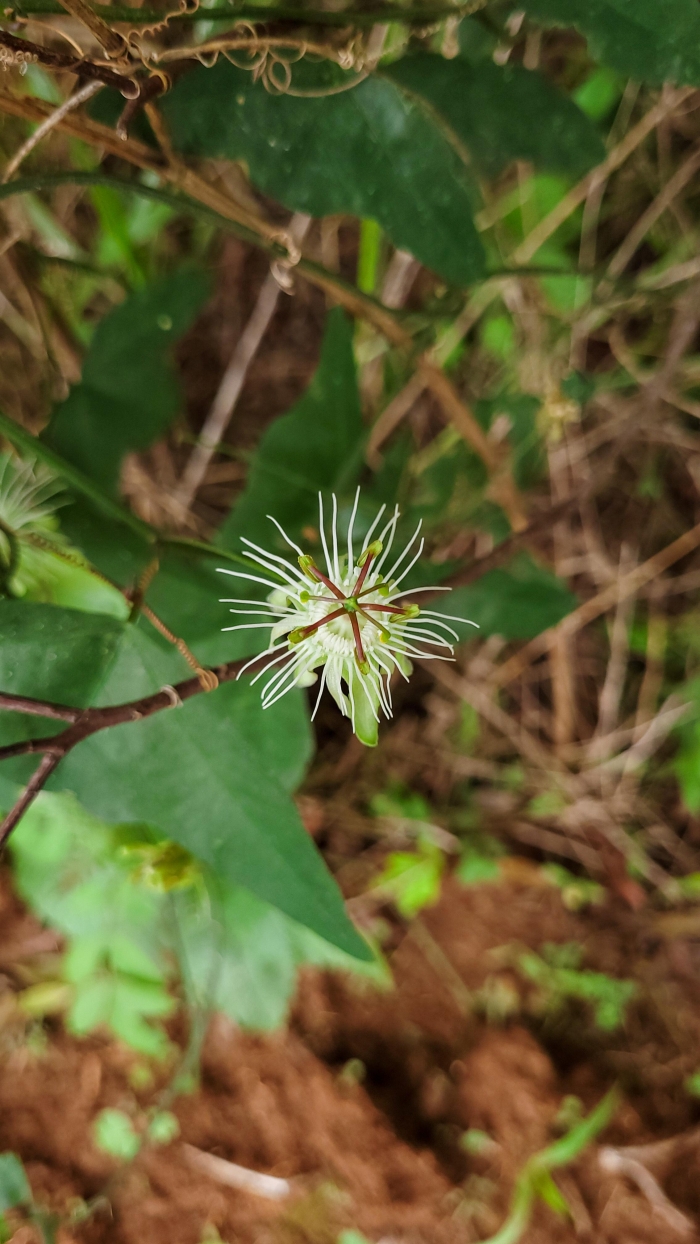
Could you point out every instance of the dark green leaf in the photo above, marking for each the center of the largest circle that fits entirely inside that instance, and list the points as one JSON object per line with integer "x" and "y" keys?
{"x": 212, "y": 776}
{"x": 128, "y": 395}
{"x": 315, "y": 447}
{"x": 516, "y": 603}
{"x": 503, "y": 113}
{"x": 653, "y": 41}
{"x": 52, "y": 654}
{"x": 476, "y": 41}
{"x": 14, "y": 1185}
{"x": 369, "y": 151}
{"x": 114, "y": 549}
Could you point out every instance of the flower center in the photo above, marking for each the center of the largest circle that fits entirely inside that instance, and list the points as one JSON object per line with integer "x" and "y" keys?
{"x": 366, "y": 617}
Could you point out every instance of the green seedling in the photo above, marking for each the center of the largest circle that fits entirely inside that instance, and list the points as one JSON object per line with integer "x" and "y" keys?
{"x": 535, "y": 1181}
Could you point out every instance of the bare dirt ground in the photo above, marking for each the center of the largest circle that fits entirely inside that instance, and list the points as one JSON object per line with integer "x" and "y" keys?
{"x": 378, "y": 1149}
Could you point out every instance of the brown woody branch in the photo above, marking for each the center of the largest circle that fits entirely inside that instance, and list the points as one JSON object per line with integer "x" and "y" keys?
{"x": 83, "y": 724}
{"x": 114, "y": 44}
{"x": 26, "y": 51}
{"x": 39, "y": 708}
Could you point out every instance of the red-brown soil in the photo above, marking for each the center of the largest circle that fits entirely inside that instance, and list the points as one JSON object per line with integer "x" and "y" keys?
{"x": 383, "y": 1155}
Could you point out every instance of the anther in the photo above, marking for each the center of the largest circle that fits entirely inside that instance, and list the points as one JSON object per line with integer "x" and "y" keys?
{"x": 306, "y": 563}
{"x": 372, "y": 550}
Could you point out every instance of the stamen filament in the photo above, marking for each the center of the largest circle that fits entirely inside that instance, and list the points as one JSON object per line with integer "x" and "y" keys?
{"x": 387, "y": 608}
{"x": 328, "y": 582}
{"x": 363, "y": 574}
{"x": 361, "y": 658}
{"x": 314, "y": 626}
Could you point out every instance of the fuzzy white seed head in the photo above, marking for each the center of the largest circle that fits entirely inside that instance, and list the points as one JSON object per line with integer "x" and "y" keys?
{"x": 348, "y": 621}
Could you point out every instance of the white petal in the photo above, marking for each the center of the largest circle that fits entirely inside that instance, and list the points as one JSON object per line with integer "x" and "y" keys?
{"x": 320, "y": 693}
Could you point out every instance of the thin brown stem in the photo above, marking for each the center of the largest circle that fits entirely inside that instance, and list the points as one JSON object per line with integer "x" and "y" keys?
{"x": 114, "y": 44}
{"x": 86, "y": 722}
{"x": 386, "y": 608}
{"x": 38, "y": 780}
{"x": 599, "y": 604}
{"x": 39, "y": 708}
{"x": 27, "y": 51}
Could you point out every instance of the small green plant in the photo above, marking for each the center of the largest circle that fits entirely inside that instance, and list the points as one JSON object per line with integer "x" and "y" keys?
{"x": 535, "y": 1181}
{"x": 478, "y": 862}
{"x": 576, "y": 892}
{"x": 16, "y": 1195}
{"x": 116, "y": 1135}
{"x": 412, "y": 879}
{"x": 559, "y": 979}
{"x": 122, "y": 1137}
